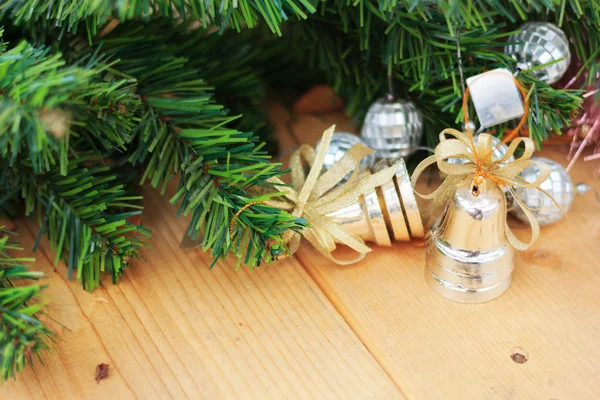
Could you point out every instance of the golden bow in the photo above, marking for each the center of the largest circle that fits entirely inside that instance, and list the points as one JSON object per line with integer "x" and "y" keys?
{"x": 481, "y": 164}
{"x": 314, "y": 195}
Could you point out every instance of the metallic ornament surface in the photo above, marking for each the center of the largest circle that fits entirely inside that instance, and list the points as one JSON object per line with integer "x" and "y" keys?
{"x": 537, "y": 44}
{"x": 496, "y": 97}
{"x": 341, "y": 142}
{"x": 559, "y": 185}
{"x": 392, "y": 128}
{"x": 388, "y": 214}
{"x": 365, "y": 219}
{"x": 468, "y": 257}
{"x": 498, "y": 152}
{"x": 409, "y": 201}
{"x": 392, "y": 207}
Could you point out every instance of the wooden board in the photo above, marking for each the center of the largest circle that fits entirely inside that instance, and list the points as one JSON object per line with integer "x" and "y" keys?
{"x": 172, "y": 328}
{"x": 433, "y": 348}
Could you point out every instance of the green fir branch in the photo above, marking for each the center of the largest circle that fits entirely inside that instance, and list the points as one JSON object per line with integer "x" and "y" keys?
{"x": 22, "y": 334}
{"x": 183, "y": 131}
{"x": 85, "y": 215}
{"x": 47, "y": 109}
{"x": 551, "y": 109}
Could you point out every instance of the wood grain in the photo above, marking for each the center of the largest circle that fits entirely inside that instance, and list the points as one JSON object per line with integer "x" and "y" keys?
{"x": 434, "y": 348}
{"x": 172, "y": 328}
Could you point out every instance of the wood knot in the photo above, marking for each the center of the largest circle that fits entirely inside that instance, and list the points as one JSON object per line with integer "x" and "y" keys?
{"x": 519, "y": 355}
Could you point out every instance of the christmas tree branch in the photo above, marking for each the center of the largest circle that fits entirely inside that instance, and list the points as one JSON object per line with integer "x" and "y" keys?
{"x": 248, "y": 13}
{"x": 22, "y": 335}
{"x": 85, "y": 215}
{"x": 49, "y": 110}
{"x": 183, "y": 131}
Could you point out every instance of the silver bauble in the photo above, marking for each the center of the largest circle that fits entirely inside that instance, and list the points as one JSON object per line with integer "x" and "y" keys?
{"x": 537, "y": 44}
{"x": 558, "y": 185}
{"x": 498, "y": 152}
{"x": 392, "y": 128}
{"x": 341, "y": 142}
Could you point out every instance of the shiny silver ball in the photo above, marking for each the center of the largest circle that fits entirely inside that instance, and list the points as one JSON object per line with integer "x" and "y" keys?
{"x": 498, "y": 152}
{"x": 470, "y": 125}
{"x": 341, "y": 142}
{"x": 558, "y": 185}
{"x": 537, "y": 44}
{"x": 392, "y": 128}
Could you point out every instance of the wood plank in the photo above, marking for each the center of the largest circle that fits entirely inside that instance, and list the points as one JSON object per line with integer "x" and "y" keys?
{"x": 434, "y": 348}
{"x": 172, "y": 328}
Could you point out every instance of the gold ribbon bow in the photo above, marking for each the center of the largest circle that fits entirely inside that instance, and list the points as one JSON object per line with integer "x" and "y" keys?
{"x": 314, "y": 195}
{"x": 481, "y": 165}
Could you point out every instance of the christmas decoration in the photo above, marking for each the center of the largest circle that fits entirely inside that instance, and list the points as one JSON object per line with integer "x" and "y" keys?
{"x": 349, "y": 213}
{"x": 495, "y": 96}
{"x": 392, "y": 209}
{"x": 469, "y": 248}
{"x": 584, "y": 130}
{"x": 558, "y": 185}
{"x": 540, "y": 43}
{"x": 400, "y": 205}
{"x": 468, "y": 257}
{"x": 341, "y": 142}
{"x": 469, "y": 254}
{"x": 392, "y": 128}
{"x": 499, "y": 150}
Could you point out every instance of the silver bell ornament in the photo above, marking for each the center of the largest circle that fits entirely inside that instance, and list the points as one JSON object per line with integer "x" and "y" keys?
{"x": 468, "y": 258}
{"x": 537, "y": 44}
{"x": 559, "y": 185}
{"x": 341, "y": 142}
{"x": 498, "y": 153}
{"x": 388, "y": 214}
{"x": 392, "y": 128}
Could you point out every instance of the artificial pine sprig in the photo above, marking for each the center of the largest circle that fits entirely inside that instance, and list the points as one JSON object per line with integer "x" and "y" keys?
{"x": 43, "y": 102}
{"x": 551, "y": 109}
{"x": 182, "y": 130}
{"x": 22, "y": 335}
{"x": 35, "y": 87}
{"x": 85, "y": 215}
{"x": 237, "y": 82}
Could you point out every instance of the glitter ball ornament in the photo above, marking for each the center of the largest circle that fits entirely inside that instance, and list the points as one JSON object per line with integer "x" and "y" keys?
{"x": 392, "y": 128}
{"x": 537, "y": 44}
{"x": 558, "y": 185}
{"x": 341, "y": 142}
{"x": 498, "y": 153}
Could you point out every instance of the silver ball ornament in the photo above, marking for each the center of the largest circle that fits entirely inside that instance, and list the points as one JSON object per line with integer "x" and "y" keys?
{"x": 537, "y": 44}
{"x": 498, "y": 152}
{"x": 392, "y": 128}
{"x": 341, "y": 142}
{"x": 558, "y": 185}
